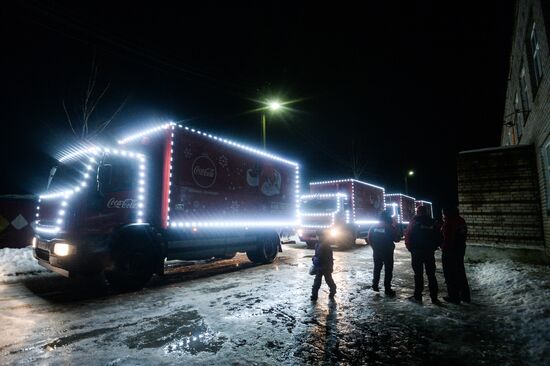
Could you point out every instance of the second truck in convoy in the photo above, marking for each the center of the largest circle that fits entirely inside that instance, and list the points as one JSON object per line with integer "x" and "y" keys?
{"x": 339, "y": 211}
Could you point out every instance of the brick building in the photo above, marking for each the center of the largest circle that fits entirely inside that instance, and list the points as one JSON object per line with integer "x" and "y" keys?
{"x": 504, "y": 193}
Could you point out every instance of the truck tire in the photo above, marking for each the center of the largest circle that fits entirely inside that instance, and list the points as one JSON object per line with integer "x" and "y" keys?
{"x": 266, "y": 250}
{"x": 348, "y": 240}
{"x": 131, "y": 271}
{"x": 133, "y": 261}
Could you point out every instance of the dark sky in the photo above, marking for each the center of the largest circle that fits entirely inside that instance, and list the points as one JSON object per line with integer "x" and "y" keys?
{"x": 401, "y": 85}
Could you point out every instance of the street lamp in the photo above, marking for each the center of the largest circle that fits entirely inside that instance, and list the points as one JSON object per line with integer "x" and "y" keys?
{"x": 410, "y": 173}
{"x": 272, "y": 106}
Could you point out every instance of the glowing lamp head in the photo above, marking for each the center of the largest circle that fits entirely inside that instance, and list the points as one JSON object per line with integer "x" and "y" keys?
{"x": 274, "y": 105}
{"x": 334, "y": 232}
{"x": 410, "y": 173}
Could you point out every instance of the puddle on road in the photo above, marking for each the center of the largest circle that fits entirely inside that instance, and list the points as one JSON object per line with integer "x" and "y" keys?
{"x": 180, "y": 332}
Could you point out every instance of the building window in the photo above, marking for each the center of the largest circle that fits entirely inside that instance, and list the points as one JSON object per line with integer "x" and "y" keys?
{"x": 534, "y": 56}
{"x": 524, "y": 93}
{"x": 518, "y": 118}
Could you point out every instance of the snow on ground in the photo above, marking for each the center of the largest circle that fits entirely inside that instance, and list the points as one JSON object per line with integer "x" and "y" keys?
{"x": 17, "y": 264}
{"x": 234, "y": 312}
{"x": 522, "y": 292}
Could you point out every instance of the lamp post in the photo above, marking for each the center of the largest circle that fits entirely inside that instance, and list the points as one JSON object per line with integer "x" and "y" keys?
{"x": 272, "y": 106}
{"x": 410, "y": 173}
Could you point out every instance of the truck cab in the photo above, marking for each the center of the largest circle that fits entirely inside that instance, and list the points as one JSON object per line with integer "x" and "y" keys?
{"x": 90, "y": 197}
{"x": 326, "y": 217}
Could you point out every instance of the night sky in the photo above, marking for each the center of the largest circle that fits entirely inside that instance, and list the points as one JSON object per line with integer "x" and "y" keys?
{"x": 400, "y": 86}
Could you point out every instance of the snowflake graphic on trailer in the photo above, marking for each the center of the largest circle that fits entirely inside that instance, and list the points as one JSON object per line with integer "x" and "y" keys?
{"x": 223, "y": 161}
{"x": 187, "y": 152}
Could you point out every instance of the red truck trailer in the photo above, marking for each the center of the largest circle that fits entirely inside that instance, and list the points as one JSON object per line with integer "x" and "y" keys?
{"x": 339, "y": 211}
{"x": 167, "y": 193}
{"x": 428, "y": 205}
{"x": 403, "y": 207}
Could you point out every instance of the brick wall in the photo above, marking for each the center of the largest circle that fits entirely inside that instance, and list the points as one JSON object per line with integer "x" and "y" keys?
{"x": 536, "y": 126}
{"x": 499, "y": 198}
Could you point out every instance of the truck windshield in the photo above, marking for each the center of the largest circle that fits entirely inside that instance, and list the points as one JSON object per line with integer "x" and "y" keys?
{"x": 65, "y": 176}
{"x": 318, "y": 205}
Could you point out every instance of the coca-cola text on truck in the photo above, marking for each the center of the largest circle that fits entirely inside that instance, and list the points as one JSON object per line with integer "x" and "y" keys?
{"x": 167, "y": 193}
{"x": 339, "y": 211}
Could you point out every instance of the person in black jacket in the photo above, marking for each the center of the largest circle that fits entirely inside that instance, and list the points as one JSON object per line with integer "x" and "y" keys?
{"x": 422, "y": 239}
{"x": 323, "y": 263}
{"x": 382, "y": 237}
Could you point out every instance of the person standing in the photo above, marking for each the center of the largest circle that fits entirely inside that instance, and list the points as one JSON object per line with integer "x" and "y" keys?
{"x": 323, "y": 263}
{"x": 422, "y": 239}
{"x": 382, "y": 238}
{"x": 454, "y": 231}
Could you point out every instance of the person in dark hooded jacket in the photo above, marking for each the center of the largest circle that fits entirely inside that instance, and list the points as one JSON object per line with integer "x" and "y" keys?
{"x": 454, "y": 232}
{"x": 323, "y": 263}
{"x": 382, "y": 238}
{"x": 422, "y": 239}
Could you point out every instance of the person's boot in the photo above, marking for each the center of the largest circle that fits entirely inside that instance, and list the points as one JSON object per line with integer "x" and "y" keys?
{"x": 416, "y": 299}
{"x": 451, "y": 300}
{"x": 389, "y": 292}
{"x": 375, "y": 288}
{"x": 436, "y": 301}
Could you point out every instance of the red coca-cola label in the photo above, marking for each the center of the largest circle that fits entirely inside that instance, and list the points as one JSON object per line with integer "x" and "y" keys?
{"x": 203, "y": 172}
{"x": 126, "y": 203}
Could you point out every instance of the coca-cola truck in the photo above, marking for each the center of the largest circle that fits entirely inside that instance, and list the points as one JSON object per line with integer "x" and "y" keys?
{"x": 167, "y": 193}
{"x": 402, "y": 207}
{"x": 339, "y": 211}
{"x": 428, "y": 205}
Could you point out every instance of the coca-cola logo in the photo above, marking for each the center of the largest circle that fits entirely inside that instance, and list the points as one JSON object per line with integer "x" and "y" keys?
{"x": 126, "y": 203}
{"x": 203, "y": 171}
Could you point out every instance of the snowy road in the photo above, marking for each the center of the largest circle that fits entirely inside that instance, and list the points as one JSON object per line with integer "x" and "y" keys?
{"x": 234, "y": 312}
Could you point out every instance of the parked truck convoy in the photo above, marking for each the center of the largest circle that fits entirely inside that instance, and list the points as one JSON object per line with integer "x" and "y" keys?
{"x": 167, "y": 193}
{"x": 339, "y": 211}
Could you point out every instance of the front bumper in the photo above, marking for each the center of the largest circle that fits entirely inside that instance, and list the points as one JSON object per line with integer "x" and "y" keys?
{"x": 89, "y": 257}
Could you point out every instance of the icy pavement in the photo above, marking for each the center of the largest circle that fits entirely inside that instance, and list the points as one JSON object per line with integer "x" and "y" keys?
{"x": 234, "y": 312}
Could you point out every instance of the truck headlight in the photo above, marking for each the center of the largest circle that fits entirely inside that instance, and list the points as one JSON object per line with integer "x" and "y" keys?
{"x": 334, "y": 232}
{"x": 34, "y": 242}
{"x": 300, "y": 232}
{"x": 62, "y": 249}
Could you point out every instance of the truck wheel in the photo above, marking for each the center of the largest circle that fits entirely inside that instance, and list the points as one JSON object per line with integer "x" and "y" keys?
{"x": 348, "y": 240}
{"x": 266, "y": 250}
{"x": 131, "y": 270}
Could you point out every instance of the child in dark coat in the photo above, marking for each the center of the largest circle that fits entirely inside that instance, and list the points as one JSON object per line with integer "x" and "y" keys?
{"x": 323, "y": 263}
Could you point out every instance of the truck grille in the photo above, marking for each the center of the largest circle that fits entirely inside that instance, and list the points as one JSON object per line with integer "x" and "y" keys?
{"x": 43, "y": 254}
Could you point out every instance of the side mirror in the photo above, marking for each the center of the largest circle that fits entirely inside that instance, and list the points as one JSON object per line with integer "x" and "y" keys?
{"x": 104, "y": 176}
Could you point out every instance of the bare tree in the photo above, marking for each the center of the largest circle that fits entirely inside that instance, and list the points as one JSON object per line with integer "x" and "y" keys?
{"x": 84, "y": 124}
{"x": 356, "y": 162}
